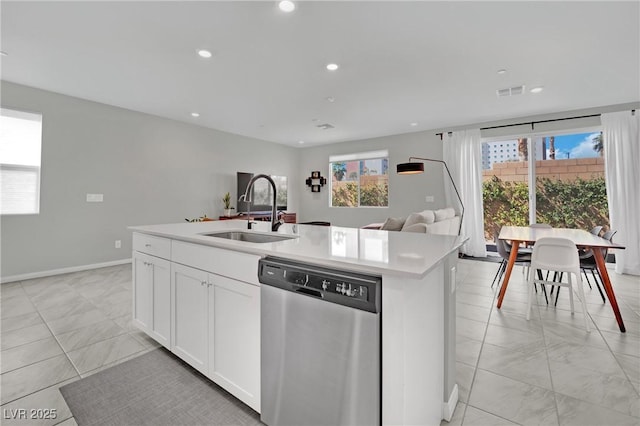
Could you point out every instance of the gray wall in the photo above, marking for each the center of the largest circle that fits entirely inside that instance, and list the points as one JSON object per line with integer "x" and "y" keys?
{"x": 406, "y": 193}
{"x": 151, "y": 170}
{"x": 154, "y": 170}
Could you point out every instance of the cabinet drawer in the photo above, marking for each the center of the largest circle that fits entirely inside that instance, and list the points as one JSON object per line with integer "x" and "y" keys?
{"x": 228, "y": 263}
{"x": 156, "y": 246}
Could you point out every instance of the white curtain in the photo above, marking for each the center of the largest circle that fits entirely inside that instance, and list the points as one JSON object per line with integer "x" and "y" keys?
{"x": 463, "y": 153}
{"x": 621, "y": 162}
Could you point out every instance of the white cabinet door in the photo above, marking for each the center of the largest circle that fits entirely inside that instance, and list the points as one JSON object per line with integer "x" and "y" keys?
{"x": 142, "y": 283}
{"x": 152, "y": 296}
{"x": 189, "y": 340}
{"x": 234, "y": 336}
{"x": 160, "y": 327}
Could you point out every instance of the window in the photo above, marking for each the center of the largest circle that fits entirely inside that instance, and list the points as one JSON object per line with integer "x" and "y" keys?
{"x": 20, "y": 147}
{"x": 561, "y": 183}
{"x": 360, "y": 180}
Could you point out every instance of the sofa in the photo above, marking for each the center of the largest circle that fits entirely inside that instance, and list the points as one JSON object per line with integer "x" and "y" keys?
{"x": 443, "y": 221}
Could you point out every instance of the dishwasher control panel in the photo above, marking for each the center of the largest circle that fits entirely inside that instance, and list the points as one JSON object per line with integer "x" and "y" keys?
{"x": 342, "y": 286}
{"x": 346, "y": 288}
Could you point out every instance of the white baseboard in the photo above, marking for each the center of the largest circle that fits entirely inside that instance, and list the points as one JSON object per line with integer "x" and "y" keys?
{"x": 61, "y": 271}
{"x": 449, "y": 407}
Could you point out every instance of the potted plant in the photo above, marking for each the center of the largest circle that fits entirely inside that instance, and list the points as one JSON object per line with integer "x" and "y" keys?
{"x": 227, "y": 204}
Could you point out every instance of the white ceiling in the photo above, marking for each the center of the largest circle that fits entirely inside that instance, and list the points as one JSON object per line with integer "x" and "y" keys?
{"x": 432, "y": 63}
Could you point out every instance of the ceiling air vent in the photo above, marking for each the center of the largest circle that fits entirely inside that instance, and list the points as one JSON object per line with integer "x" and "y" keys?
{"x": 325, "y": 126}
{"x": 511, "y": 91}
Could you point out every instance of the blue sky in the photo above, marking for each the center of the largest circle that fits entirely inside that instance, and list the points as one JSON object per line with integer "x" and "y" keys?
{"x": 579, "y": 145}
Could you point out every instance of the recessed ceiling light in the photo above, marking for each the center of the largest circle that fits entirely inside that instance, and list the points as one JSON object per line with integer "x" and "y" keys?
{"x": 332, "y": 67}
{"x": 536, "y": 89}
{"x": 414, "y": 124}
{"x": 2, "y": 53}
{"x": 287, "y": 6}
{"x": 204, "y": 53}
{"x": 300, "y": 142}
{"x": 195, "y": 114}
{"x": 502, "y": 71}
{"x": 331, "y": 99}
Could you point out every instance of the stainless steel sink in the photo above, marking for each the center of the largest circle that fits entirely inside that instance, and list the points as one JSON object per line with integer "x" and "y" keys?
{"x": 248, "y": 237}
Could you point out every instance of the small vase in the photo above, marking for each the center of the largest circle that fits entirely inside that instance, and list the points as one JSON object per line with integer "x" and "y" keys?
{"x": 227, "y": 212}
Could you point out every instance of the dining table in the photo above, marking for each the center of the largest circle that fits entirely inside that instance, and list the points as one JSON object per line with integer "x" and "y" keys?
{"x": 526, "y": 235}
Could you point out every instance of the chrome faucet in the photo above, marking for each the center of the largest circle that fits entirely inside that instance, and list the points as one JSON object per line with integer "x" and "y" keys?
{"x": 275, "y": 223}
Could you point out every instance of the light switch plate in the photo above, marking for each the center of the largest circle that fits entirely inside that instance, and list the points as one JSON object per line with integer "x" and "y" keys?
{"x": 95, "y": 198}
{"x": 429, "y": 198}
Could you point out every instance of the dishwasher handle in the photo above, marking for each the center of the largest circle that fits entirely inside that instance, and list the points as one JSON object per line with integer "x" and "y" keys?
{"x": 310, "y": 292}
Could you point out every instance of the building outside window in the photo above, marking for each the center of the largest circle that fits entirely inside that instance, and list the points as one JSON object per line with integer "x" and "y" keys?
{"x": 360, "y": 180}
{"x": 20, "y": 152}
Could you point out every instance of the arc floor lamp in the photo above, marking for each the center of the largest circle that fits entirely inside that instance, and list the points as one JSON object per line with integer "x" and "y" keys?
{"x": 412, "y": 168}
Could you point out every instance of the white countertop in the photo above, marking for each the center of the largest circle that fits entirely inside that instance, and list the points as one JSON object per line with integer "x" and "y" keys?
{"x": 365, "y": 250}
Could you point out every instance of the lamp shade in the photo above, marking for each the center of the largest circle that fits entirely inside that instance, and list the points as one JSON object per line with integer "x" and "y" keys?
{"x": 409, "y": 168}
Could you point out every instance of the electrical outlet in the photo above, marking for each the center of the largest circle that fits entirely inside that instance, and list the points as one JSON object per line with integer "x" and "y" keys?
{"x": 118, "y": 244}
{"x": 429, "y": 198}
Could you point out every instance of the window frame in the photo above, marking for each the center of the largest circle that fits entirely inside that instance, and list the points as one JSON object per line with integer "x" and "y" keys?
{"x": 359, "y": 157}
{"x": 532, "y": 172}
{"x": 8, "y": 111}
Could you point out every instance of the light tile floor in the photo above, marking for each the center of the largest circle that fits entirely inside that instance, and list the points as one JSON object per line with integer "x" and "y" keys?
{"x": 547, "y": 370}
{"x": 58, "y": 329}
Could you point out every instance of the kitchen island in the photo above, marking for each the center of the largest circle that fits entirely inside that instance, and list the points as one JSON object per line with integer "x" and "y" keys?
{"x": 199, "y": 296}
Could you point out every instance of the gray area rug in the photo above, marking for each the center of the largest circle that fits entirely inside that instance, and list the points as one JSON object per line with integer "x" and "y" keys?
{"x": 154, "y": 389}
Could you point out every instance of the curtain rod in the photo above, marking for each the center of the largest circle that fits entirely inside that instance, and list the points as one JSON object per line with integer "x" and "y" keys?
{"x": 533, "y": 123}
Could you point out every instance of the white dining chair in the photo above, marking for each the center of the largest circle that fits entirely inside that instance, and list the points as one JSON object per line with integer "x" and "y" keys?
{"x": 558, "y": 255}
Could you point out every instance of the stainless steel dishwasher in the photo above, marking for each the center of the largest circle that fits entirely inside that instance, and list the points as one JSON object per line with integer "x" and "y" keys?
{"x": 321, "y": 345}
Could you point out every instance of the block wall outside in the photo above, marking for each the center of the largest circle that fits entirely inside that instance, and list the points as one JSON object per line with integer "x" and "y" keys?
{"x": 566, "y": 170}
